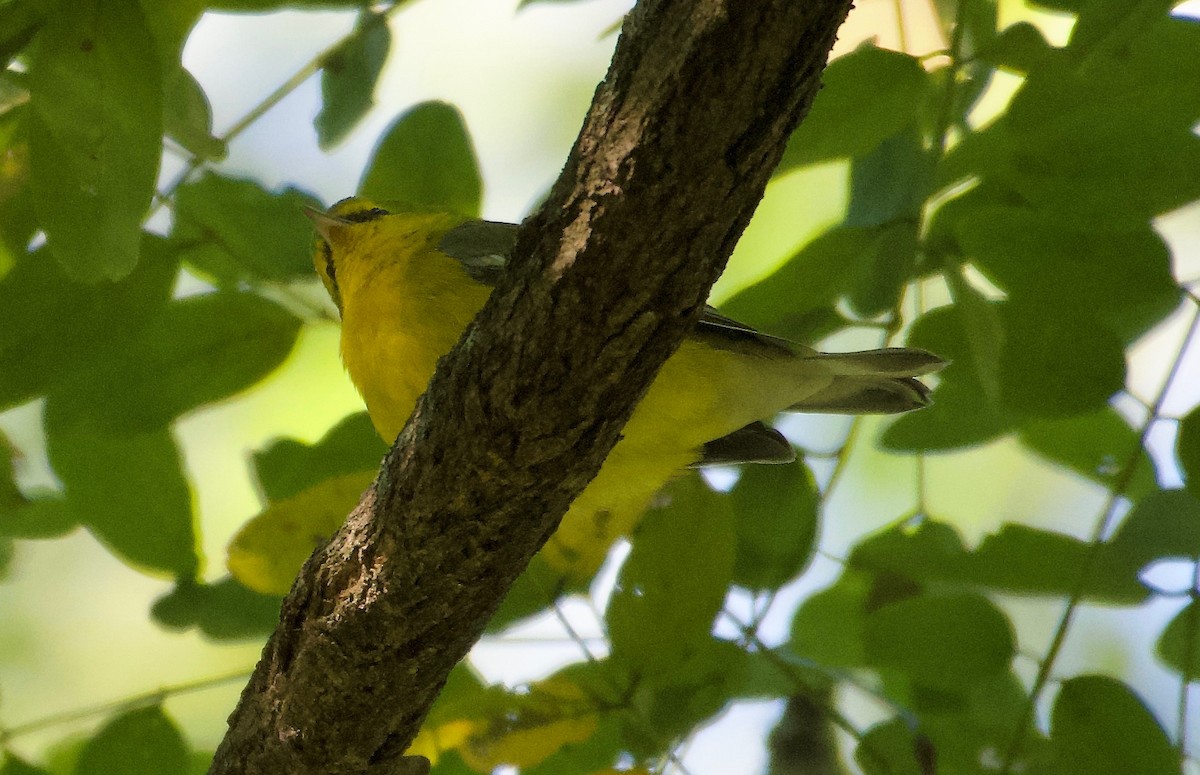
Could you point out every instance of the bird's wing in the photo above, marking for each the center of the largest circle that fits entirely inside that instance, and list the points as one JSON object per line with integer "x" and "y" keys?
{"x": 482, "y": 247}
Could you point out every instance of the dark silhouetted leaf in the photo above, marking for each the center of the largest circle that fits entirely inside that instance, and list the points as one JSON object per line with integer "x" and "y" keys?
{"x": 1162, "y": 525}
{"x": 944, "y": 641}
{"x": 675, "y": 579}
{"x": 961, "y": 414}
{"x": 1057, "y": 366}
{"x": 1100, "y": 727}
{"x": 348, "y": 79}
{"x": 1017, "y": 559}
{"x": 775, "y": 521}
{"x": 1187, "y": 448}
{"x": 1179, "y": 645}
{"x": 223, "y": 610}
{"x": 287, "y": 466}
{"x": 1068, "y": 272}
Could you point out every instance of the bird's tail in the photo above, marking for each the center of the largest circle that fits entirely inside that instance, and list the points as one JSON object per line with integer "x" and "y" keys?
{"x": 872, "y": 382}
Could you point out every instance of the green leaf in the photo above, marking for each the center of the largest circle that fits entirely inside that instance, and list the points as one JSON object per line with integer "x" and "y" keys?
{"x": 1179, "y": 645}
{"x": 425, "y": 159}
{"x": 1163, "y": 525}
{"x": 869, "y": 95}
{"x": 1187, "y": 449}
{"x": 287, "y": 466}
{"x": 348, "y": 79}
{"x": 19, "y": 22}
{"x": 775, "y": 523}
{"x": 39, "y": 517}
{"x": 224, "y": 610}
{"x": 269, "y": 550}
{"x": 10, "y": 495}
{"x": 139, "y": 742}
{"x": 945, "y": 641}
{"x": 187, "y": 116}
{"x": 674, "y": 581}
{"x": 1097, "y": 446}
{"x": 1069, "y": 272}
{"x": 961, "y": 414}
{"x": 892, "y": 748}
{"x": 829, "y": 627}
{"x": 95, "y": 134}
{"x": 811, "y": 280}
{"x": 1017, "y": 559}
{"x": 887, "y": 189}
{"x": 1099, "y": 726}
{"x": 237, "y": 231}
{"x": 983, "y": 330}
{"x": 199, "y": 350}
{"x": 1020, "y": 48}
{"x": 6, "y": 555}
{"x": 128, "y": 489}
{"x": 1054, "y": 366}
{"x": 538, "y": 586}
{"x": 666, "y": 706}
{"x": 15, "y": 766}
{"x": 1097, "y": 137}
{"x": 51, "y": 326}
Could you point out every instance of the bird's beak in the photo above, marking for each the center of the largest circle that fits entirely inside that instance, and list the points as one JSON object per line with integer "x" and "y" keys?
{"x": 330, "y": 227}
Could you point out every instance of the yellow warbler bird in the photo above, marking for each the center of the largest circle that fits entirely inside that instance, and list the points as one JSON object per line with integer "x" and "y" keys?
{"x": 408, "y": 283}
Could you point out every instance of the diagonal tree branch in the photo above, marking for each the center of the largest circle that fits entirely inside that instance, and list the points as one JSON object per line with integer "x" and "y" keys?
{"x": 673, "y": 158}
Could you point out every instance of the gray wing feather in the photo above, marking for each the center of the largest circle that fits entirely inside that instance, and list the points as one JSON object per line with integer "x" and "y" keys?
{"x": 482, "y": 247}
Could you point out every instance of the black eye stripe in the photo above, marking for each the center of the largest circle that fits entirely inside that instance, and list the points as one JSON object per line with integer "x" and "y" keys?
{"x": 362, "y": 216}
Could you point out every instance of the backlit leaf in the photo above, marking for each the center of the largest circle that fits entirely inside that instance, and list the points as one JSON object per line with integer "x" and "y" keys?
{"x": 138, "y": 742}
{"x": 1097, "y": 446}
{"x": 198, "y": 350}
{"x": 127, "y": 488}
{"x": 235, "y": 230}
{"x": 868, "y": 95}
{"x": 813, "y": 279}
{"x": 425, "y": 158}
{"x": 187, "y": 117}
{"x": 51, "y": 326}
{"x": 266, "y": 554}
{"x": 95, "y": 136}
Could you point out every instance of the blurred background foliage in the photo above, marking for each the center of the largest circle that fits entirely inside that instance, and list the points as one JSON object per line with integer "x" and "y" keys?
{"x": 1005, "y": 582}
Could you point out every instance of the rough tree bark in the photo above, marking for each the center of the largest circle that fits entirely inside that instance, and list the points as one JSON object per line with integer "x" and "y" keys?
{"x": 673, "y": 158}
